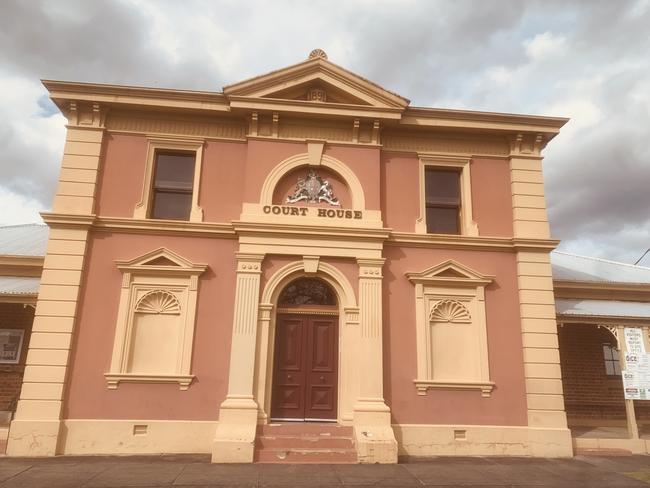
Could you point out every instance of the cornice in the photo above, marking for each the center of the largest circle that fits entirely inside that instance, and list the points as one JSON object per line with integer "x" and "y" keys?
{"x": 173, "y": 227}
{"x": 59, "y": 220}
{"x": 470, "y": 119}
{"x": 477, "y": 243}
{"x": 323, "y": 232}
{"x": 118, "y": 95}
{"x": 237, "y": 227}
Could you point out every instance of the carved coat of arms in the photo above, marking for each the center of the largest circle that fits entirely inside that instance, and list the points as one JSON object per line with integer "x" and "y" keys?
{"x": 313, "y": 189}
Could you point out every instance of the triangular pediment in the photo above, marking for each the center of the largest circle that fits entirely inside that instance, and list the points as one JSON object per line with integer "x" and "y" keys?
{"x": 295, "y": 83}
{"x": 158, "y": 259}
{"x": 450, "y": 271}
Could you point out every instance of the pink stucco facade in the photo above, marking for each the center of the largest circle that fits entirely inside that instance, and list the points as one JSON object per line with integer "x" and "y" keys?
{"x": 172, "y": 333}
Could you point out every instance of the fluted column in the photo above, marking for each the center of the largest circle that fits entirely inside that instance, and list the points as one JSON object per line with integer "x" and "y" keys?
{"x": 370, "y": 309}
{"x": 235, "y": 436}
{"x": 372, "y": 424}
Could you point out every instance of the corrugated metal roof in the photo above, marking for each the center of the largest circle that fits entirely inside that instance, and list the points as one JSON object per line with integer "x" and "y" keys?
{"x": 19, "y": 285}
{"x": 582, "y": 268}
{"x": 24, "y": 240}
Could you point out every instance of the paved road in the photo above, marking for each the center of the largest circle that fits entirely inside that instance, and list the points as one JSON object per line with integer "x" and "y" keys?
{"x": 196, "y": 471}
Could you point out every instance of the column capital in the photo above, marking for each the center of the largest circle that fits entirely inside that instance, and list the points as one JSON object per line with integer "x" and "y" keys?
{"x": 370, "y": 268}
{"x": 249, "y": 263}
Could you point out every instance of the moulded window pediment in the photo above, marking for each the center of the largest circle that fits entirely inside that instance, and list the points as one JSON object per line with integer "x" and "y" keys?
{"x": 161, "y": 259}
{"x": 450, "y": 271}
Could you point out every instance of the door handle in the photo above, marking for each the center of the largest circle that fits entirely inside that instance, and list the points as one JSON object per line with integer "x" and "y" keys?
{"x": 322, "y": 378}
{"x": 288, "y": 376}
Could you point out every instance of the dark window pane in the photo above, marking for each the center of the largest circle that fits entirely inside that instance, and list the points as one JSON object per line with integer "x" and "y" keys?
{"x": 307, "y": 291}
{"x": 171, "y": 205}
{"x": 174, "y": 171}
{"x": 442, "y": 220}
{"x": 442, "y": 187}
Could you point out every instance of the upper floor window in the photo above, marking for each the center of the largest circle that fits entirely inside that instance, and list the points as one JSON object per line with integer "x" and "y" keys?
{"x": 173, "y": 185}
{"x": 442, "y": 194}
{"x": 445, "y": 196}
{"x": 172, "y": 173}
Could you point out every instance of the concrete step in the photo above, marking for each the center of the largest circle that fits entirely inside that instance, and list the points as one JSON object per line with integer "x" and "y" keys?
{"x": 304, "y": 429}
{"x": 307, "y": 456}
{"x": 304, "y": 442}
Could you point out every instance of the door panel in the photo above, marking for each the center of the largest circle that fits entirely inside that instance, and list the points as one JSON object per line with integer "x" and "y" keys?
{"x": 305, "y": 367}
{"x": 322, "y": 339}
{"x": 288, "y": 399}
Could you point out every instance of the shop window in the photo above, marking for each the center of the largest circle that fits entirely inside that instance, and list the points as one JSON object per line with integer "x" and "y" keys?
{"x": 445, "y": 196}
{"x": 155, "y": 323}
{"x": 171, "y": 183}
{"x": 612, "y": 365}
{"x": 451, "y": 329}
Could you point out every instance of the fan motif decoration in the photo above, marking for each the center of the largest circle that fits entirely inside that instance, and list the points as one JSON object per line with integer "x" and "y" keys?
{"x": 450, "y": 311}
{"x": 159, "y": 302}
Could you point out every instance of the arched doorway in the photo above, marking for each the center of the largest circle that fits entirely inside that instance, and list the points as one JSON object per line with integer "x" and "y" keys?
{"x": 305, "y": 366}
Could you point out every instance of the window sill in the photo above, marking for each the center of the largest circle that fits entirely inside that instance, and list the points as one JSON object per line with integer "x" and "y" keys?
{"x": 114, "y": 379}
{"x": 424, "y": 385}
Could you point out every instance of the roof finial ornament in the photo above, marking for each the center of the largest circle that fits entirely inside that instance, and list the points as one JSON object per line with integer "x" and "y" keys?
{"x": 317, "y": 53}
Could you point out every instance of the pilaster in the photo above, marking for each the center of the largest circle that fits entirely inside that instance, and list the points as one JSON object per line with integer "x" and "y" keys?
{"x": 375, "y": 439}
{"x": 36, "y": 426}
{"x": 235, "y": 436}
{"x": 542, "y": 373}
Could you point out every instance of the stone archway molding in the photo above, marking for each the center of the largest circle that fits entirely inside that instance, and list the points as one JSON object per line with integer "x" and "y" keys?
{"x": 348, "y": 334}
{"x": 307, "y": 159}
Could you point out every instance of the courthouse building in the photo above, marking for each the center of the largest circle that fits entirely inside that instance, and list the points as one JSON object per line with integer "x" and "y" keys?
{"x": 304, "y": 267}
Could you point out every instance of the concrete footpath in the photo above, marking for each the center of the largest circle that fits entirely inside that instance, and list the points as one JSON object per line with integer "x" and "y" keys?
{"x": 196, "y": 471}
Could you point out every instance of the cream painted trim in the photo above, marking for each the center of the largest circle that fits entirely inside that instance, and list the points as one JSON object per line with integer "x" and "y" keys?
{"x": 424, "y": 385}
{"x": 465, "y": 284}
{"x": 317, "y": 68}
{"x": 230, "y": 231}
{"x": 142, "y": 209}
{"x": 181, "y": 279}
{"x": 274, "y": 176}
{"x": 115, "y": 379}
{"x": 423, "y": 440}
{"x": 136, "y": 436}
{"x": 348, "y": 375}
{"x": 467, "y": 225}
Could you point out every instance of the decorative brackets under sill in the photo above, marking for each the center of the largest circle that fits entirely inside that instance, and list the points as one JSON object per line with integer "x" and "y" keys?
{"x": 424, "y": 385}
{"x": 114, "y": 379}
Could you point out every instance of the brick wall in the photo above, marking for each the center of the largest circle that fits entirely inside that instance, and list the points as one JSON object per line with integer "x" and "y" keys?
{"x": 14, "y": 316}
{"x": 589, "y": 393}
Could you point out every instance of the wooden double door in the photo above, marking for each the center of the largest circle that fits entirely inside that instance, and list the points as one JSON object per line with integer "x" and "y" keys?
{"x": 305, "y": 371}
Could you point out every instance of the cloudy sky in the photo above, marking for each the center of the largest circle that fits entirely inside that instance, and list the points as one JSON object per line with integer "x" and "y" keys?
{"x": 584, "y": 59}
